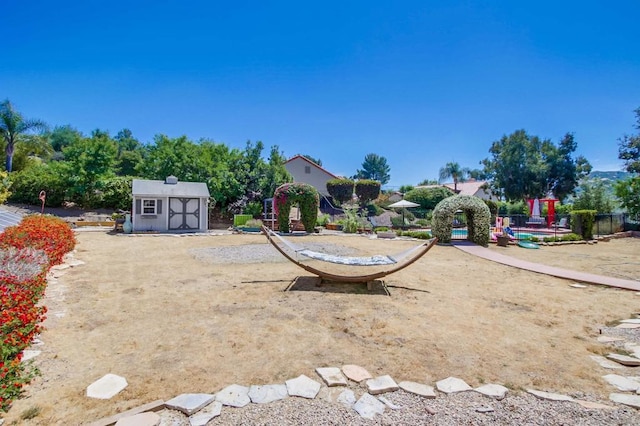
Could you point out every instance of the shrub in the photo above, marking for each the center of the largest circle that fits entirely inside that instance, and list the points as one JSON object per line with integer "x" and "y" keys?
{"x": 5, "y": 184}
{"x": 52, "y": 178}
{"x": 582, "y": 222}
{"x": 422, "y": 235}
{"x": 323, "y": 219}
{"x": 341, "y": 190}
{"x": 476, "y": 211}
{"x": 381, "y": 229}
{"x": 350, "y": 223}
{"x": 567, "y": 237}
{"x": 305, "y": 195}
{"x": 367, "y": 190}
{"x": 115, "y": 193}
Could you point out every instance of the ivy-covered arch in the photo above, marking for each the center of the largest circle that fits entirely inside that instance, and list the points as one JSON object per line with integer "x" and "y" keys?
{"x": 477, "y": 213}
{"x": 305, "y": 195}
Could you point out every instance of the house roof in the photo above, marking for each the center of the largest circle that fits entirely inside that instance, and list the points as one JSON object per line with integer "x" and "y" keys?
{"x": 298, "y": 156}
{"x": 159, "y": 188}
{"x": 470, "y": 187}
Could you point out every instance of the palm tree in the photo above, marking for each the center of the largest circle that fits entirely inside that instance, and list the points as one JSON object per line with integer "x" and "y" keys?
{"x": 12, "y": 125}
{"x": 453, "y": 170}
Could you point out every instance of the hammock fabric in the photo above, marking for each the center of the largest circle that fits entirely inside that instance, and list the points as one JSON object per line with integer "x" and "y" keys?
{"x": 378, "y": 260}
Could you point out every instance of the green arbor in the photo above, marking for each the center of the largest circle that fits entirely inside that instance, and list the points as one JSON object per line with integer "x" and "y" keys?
{"x": 305, "y": 195}
{"x": 476, "y": 211}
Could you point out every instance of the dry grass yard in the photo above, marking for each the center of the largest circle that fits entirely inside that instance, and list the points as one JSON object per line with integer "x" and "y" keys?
{"x": 195, "y": 314}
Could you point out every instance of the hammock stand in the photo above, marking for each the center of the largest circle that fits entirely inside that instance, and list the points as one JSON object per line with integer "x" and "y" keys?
{"x": 413, "y": 255}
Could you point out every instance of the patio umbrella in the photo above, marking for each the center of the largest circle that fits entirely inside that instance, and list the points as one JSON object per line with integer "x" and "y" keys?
{"x": 403, "y": 204}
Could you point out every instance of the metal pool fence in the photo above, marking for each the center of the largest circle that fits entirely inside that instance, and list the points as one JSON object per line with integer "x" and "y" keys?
{"x": 523, "y": 226}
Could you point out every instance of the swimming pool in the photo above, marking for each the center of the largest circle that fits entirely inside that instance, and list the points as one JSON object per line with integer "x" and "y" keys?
{"x": 459, "y": 234}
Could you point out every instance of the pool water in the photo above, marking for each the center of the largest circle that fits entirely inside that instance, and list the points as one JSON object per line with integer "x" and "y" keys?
{"x": 462, "y": 233}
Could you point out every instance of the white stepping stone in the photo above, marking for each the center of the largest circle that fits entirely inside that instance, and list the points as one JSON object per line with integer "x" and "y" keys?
{"x": 75, "y": 262}
{"x": 303, "y": 386}
{"x": 29, "y": 354}
{"x": 389, "y": 404}
{"x": 577, "y": 285}
{"x": 633, "y": 348}
{"x": 605, "y": 363}
{"x": 332, "y": 376}
{"x": 267, "y": 393}
{"x": 628, "y": 326}
{"x": 204, "y": 416}
{"x": 234, "y": 396}
{"x": 631, "y": 321}
{"x": 347, "y": 398}
{"x": 594, "y": 405}
{"x": 484, "y": 410}
{"x": 622, "y": 383}
{"x": 452, "y": 385}
{"x": 60, "y": 267}
{"x": 106, "y": 387}
{"x": 142, "y": 419}
{"x": 368, "y": 406}
{"x": 625, "y": 360}
{"x": 609, "y": 339}
{"x": 493, "y": 390}
{"x": 381, "y": 384}
{"x": 190, "y": 403}
{"x": 549, "y": 395}
{"x": 418, "y": 389}
{"x": 356, "y": 373}
{"x": 626, "y": 399}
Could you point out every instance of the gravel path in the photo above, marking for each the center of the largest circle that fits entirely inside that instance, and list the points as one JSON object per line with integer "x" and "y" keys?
{"x": 453, "y": 409}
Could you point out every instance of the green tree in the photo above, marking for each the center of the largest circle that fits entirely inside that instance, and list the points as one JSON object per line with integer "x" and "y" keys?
{"x": 524, "y": 166}
{"x": 428, "y": 198}
{"x": 454, "y": 171}
{"x": 276, "y": 173}
{"x": 129, "y": 153}
{"x": 593, "y": 196}
{"x": 629, "y": 149}
{"x": 374, "y": 167}
{"x": 178, "y": 157}
{"x": 32, "y": 149}
{"x": 92, "y": 159}
{"x": 12, "y": 126}
{"x": 427, "y": 182}
{"x": 367, "y": 190}
{"x": 341, "y": 190}
{"x": 63, "y": 136}
{"x": 628, "y": 192}
{"x": 405, "y": 188}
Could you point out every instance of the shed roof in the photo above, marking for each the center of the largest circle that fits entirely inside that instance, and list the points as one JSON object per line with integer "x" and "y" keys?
{"x": 159, "y": 188}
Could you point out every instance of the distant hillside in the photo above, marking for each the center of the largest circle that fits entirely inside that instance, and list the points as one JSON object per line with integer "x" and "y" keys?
{"x": 611, "y": 176}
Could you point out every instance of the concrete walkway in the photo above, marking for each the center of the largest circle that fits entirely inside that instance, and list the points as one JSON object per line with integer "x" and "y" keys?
{"x": 485, "y": 253}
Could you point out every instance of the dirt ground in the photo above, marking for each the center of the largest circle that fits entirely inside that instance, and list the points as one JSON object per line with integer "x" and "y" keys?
{"x": 153, "y": 310}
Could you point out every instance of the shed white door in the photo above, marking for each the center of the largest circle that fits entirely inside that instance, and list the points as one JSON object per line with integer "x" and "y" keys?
{"x": 184, "y": 214}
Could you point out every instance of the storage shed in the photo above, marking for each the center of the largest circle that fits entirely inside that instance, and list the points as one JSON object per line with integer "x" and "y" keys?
{"x": 169, "y": 206}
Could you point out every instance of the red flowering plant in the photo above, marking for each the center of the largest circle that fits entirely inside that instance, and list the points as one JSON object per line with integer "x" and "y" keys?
{"x": 26, "y": 253}
{"x": 47, "y": 233}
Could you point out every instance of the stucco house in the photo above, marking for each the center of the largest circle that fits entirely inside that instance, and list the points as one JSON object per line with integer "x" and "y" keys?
{"x": 169, "y": 206}
{"x": 306, "y": 171}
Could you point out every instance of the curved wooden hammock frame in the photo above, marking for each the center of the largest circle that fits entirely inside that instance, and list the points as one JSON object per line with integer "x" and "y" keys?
{"x": 418, "y": 253}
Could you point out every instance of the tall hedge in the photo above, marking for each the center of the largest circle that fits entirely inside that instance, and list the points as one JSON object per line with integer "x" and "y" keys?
{"x": 582, "y": 222}
{"x": 306, "y": 196}
{"x": 341, "y": 189}
{"x": 367, "y": 190}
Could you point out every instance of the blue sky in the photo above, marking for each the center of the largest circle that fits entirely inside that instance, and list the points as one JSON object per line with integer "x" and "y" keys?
{"x": 421, "y": 83}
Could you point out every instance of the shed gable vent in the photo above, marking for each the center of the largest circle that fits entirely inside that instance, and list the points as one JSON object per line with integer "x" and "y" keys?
{"x": 171, "y": 180}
